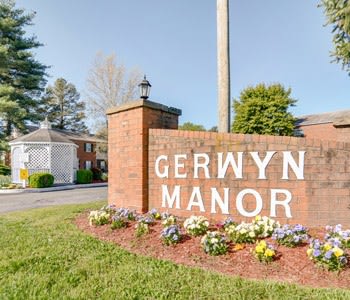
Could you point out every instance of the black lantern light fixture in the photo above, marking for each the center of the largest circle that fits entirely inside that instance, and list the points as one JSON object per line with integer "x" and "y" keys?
{"x": 145, "y": 88}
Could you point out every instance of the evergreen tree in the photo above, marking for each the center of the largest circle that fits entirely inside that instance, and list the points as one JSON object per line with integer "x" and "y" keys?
{"x": 264, "y": 110}
{"x": 62, "y": 106}
{"x": 22, "y": 77}
{"x": 338, "y": 14}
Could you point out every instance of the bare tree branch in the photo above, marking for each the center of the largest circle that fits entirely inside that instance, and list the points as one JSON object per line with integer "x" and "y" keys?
{"x": 109, "y": 84}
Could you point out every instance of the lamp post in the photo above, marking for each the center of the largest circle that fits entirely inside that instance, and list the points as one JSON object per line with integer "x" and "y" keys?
{"x": 145, "y": 88}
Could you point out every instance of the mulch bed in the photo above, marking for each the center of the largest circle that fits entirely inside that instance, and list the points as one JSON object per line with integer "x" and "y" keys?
{"x": 291, "y": 266}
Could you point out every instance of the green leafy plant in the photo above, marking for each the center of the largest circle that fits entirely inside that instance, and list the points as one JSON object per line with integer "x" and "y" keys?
{"x": 119, "y": 222}
{"x": 329, "y": 255}
{"x": 143, "y": 224}
{"x": 337, "y": 14}
{"x": 242, "y": 233}
{"x": 103, "y": 215}
{"x": 263, "y": 109}
{"x": 5, "y": 181}
{"x": 109, "y": 208}
{"x": 121, "y": 217}
{"x": 96, "y": 173}
{"x": 99, "y": 217}
{"x": 5, "y": 170}
{"x": 141, "y": 228}
{"x": 84, "y": 176}
{"x": 155, "y": 214}
{"x": 191, "y": 127}
{"x": 290, "y": 236}
{"x": 104, "y": 177}
{"x": 41, "y": 180}
{"x": 126, "y": 213}
{"x": 214, "y": 243}
{"x": 171, "y": 234}
{"x": 168, "y": 220}
{"x": 264, "y": 226}
{"x": 228, "y": 221}
{"x": 338, "y": 233}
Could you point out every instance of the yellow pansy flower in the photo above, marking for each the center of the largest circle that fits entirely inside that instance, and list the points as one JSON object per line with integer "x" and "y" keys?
{"x": 269, "y": 253}
{"x": 309, "y": 251}
{"x": 259, "y": 249}
{"x": 327, "y": 246}
{"x": 337, "y": 251}
{"x": 263, "y": 244}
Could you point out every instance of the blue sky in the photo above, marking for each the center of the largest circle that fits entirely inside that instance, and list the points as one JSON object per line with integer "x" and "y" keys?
{"x": 174, "y": 43}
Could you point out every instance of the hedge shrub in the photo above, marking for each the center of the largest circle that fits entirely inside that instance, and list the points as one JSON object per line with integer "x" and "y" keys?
{"x": 5, "y": 180}
{"x": 104, "y": 177}
{"x": 96, "y": 173}
{"x": 5, "y": 170}
{"x": 40, "y": 180}
{"x": 84, "y": 176}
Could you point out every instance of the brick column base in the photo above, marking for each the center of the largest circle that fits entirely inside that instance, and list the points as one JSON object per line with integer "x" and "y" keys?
{"x": 128, "y": 127}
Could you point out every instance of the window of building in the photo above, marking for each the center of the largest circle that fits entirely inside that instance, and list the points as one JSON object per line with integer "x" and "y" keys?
{"x": 88, "y": 147}
{"x": 88, "y": 164}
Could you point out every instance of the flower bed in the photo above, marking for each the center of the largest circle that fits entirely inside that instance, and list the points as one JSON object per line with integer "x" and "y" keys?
{"x": 289, "y": 264}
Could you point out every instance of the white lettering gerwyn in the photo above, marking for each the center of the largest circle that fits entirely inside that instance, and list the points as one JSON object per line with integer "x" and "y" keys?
{"x": 223, "y": 201}
{"x": 201, "y": 161}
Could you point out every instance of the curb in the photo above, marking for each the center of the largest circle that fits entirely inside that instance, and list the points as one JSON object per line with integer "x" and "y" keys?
{"x": 55, "y": 188}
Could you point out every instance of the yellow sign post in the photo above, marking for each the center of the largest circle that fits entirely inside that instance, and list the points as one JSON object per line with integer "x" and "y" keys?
{"x": 23, "y": 175}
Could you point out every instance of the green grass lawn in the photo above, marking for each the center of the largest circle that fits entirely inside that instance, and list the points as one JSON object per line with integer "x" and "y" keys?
{"x": 44, "y": 256}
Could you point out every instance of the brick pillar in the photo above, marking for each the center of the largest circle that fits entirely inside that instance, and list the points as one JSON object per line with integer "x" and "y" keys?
{"x": 128, "y": 149}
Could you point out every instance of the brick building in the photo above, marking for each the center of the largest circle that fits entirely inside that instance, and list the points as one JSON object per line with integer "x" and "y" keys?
{"x": 88, "y": 152}
{"x": 326, "y": 126}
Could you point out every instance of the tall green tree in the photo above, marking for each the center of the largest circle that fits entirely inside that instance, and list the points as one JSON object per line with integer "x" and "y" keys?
{"x": 191, "y": 127}
{"x": 62, "y": 106}
{"x": 338, "y": 15}
{"x": 22, "y": 77}
{"x": 264, "y": 110}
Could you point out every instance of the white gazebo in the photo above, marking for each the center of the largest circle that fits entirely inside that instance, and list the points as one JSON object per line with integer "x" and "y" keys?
{"x": 44, "y": 151}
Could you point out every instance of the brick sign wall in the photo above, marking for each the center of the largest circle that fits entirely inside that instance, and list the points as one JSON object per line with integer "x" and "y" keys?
{"x": 294, "y": 180}
{"x": 290, "y": 179}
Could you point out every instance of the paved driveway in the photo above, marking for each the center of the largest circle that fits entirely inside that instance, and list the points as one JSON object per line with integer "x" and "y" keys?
{"x": 23, "y": 201}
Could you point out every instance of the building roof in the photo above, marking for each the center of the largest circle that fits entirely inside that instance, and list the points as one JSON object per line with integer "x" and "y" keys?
{"x": 338, "y": 118}
{"x": 58, "y": 135}
{"x": 43, "y": 135}
{"x": 79, "y": 136}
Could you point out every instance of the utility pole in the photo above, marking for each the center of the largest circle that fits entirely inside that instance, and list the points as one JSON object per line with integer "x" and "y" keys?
{"x": 223, "y": 56}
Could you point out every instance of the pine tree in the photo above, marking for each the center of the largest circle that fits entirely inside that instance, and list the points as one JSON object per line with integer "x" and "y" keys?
{"x": 62, "y": 106}
{"x": 22, "y": 77}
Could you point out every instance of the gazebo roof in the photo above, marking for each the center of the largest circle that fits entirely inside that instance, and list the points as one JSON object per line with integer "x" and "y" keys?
{"x": 42, "y": 135}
